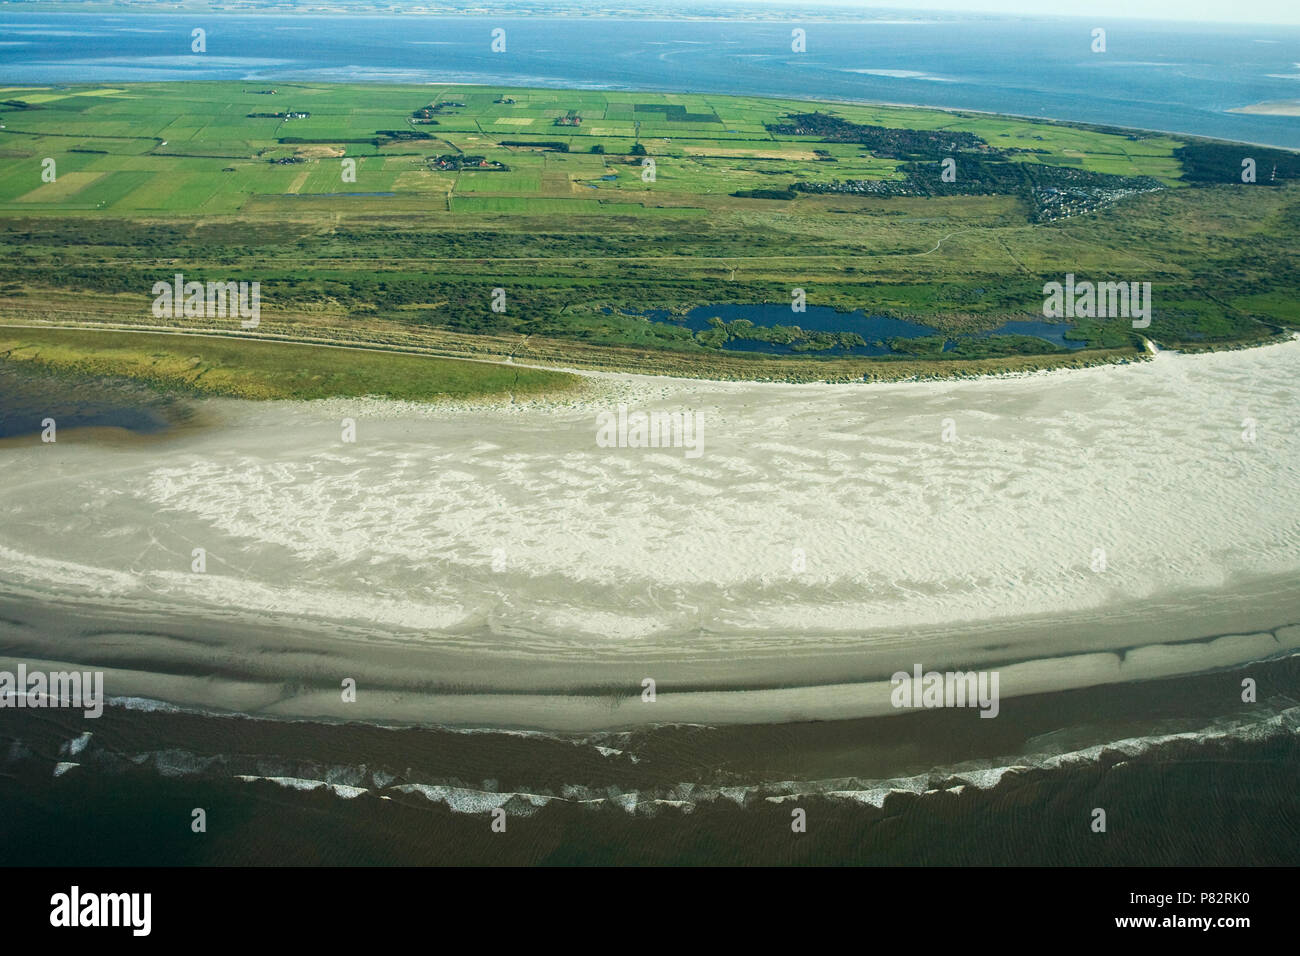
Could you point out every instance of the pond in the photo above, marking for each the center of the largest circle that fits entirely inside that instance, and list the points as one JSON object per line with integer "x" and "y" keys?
{"x": 1054, "y": 332}
{"x": 874, "y": 330}
{"x": 27, "y": 400}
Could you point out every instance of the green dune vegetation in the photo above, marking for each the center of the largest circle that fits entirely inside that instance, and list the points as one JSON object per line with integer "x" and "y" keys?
{"x": 544, "y": 225}
{"x": 205, "y": 365}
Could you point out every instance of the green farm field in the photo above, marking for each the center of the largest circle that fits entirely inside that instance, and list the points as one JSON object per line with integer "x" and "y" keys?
{"x": 388, "y": 215}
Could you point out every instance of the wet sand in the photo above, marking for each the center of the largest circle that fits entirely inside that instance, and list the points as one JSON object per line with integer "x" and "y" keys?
{"x": 297, "y": 671}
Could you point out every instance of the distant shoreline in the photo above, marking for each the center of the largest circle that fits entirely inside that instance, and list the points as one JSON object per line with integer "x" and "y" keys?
{"x": 1185, "y": 127}
{"x": 826, "y": 13}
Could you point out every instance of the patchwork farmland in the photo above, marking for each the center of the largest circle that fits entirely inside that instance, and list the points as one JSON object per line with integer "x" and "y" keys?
{"x": 387, "y": 215}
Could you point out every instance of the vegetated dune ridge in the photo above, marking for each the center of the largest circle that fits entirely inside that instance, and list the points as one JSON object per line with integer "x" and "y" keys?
{"x": 493, "y": 565}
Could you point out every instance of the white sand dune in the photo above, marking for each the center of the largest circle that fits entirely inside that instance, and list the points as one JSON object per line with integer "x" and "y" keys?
{"x": 827, "y": 523}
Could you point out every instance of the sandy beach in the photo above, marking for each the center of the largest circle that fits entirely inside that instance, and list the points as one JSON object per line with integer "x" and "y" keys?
{"x": 494, "y": 565}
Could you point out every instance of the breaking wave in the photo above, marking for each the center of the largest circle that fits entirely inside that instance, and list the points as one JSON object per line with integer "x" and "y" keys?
{"x": 1266, "y": 721}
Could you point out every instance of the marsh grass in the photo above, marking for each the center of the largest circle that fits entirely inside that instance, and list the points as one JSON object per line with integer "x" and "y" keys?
{"x": 252, "y": 369}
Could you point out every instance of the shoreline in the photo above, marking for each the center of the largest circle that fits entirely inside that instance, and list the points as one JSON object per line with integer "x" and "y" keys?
{"x": 508, "y": 83}
{"x": 425, "y": 794}
{"x": 570, "y": 715}
{"x": 276, "y": 669}
{"x": 578, "y": 713}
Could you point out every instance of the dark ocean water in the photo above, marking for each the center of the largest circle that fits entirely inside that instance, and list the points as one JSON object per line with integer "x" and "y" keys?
{"x": 1186, "y": 773}
{"x": 1175, "y": 77}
